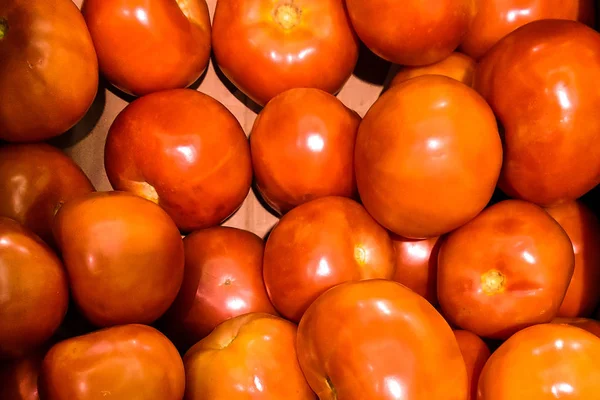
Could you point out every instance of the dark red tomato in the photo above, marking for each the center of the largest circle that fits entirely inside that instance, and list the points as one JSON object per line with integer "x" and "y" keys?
{"x": 475, "y": 353}
{"x": 19, "y": 378}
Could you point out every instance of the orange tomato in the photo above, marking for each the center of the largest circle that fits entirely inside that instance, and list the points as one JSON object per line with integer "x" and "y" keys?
{"x": 587, "y": 324}
{"x": 456, "y": 66}
{"x": 475, "y": 353}
{"x": 19, "y": 378}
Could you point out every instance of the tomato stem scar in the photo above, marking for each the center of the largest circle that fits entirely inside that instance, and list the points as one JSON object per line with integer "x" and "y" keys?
{"x": 287, "y": 15}
{"x": 3, "y": 27}
{"x": 492, "y": 282}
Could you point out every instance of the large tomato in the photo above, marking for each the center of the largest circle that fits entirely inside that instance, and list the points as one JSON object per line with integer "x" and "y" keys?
{"x": 428, "y": 156}
{"x": 19, "y": 378}
{"x": 145, "y": 46}
{"x": 379, "y": 340}
{"x": 475, "y": 353}
{"x": 124, "y": 257}
{"x": 266, "y": 47}
{"x": 541, "y": 81}
{"x": 48, "y": 69}
{"x": 457, "y": 66}
{"x": 590, "y": 325}
{"x": 506, "y": 269}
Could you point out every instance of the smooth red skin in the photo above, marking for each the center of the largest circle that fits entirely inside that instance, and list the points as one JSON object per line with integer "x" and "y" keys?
{"x": 497, "y": 18}
{"x": 121, "y": 363}
{"x": 145, "y": 46}
{"x": 475, "y": 353}
{"x": 321, "y": 244}
{"x": 456, "y": 66}
{"x": 302, "y": 146}
{"x": 19, "y": 378}
{"x": 587, "y": 324}
{"x": 223, "y": 279}
{"x": 428, "y": 156}
{"x": 189, "y": 148}
{"x": 416, "y": 265}
{"x": 540, "y": 80}
{"x": 523, "y": 243}
{"x": 35, "y": 181}
{"x": 411, "y": 32}
{"x": 124, "y": 257}
{"x": 263, "y": 59}
{"x": 368, "y": 339}
{"x": 583, "y": 228}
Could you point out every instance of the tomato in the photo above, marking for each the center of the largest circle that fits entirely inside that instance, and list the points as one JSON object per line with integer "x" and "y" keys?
{"x": 497, "y": 18}
{"x": 318, "y": 245}
{"x": 475, "y": 353}
{"x": 145, "y": 46}
{"x": 369, "y": 339}
{"x": 411, "y": 32}
{"x": 266, "y": 47}
{"x": 542, "y": 362}
{"x": 308, "y": 130}
{"x": 121, "y": 363}
{"x": 428, "y": 156}
{"x": 35, "y": 181}
{"x": 540, "y": 80}
{"x": 49, "y": 69}
{"x": 19, "y": 378}
{"x": 193, "y": 158}
{"x": 222, "y": 279}
{"x": 457, "y": 66}
{"x": 583, "y": 228}
{"x": 587, "y": 324}
{"x": 250, "y": 356}
{"x": 124, "y": 257}
{"x": 416, "y": 265}
{"x": 506, "y": 269}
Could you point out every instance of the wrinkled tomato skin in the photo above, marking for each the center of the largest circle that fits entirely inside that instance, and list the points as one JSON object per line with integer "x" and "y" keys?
{"x": 457, "y": 66}
{"x": 475, "y": 353}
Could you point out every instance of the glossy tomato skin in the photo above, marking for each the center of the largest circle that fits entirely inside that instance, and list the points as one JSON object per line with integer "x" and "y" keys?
{"x": 19, "y": 378}
{"x": 583, "y": 228}
{"x": 428, "y": 156}
{"x": 456, "y": 66}
{"x": 546, "y": 361}
{"x": 34, "y": 294}
{"x": 368, "y": 340}
{"x": 122, "y": 363}
{"x": 147, "y": 46}
{"x": 183, "y": 150}
{"x": 587, "y": 324}
{"x": 497, "y": 18}
{"x": 266, "y": 47}
{"x": 222, "y": 279}
{"x": 124, "y": 257}
{"x": 389, "y": 28}
{"x": 505, "y": 270}
{"x": 318, "y": 245}
{"x": 475, "y": 353}
{"x": 540, "y": 81}
{"x": 49, "y": 69}
{"x": 35, "y": 181}
{"x": 249, "y": 356}
{"x": 305, "y": 130}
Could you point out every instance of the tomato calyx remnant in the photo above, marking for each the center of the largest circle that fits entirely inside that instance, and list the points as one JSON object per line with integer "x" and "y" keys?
{"x": 287, "y": 15}
{"x": 3, "y": 28}
{"x": 493, "y": 282}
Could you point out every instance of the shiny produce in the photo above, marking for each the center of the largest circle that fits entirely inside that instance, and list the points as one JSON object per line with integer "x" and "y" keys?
{"x": 456, "y": 66}
{"x": 428, "y": 156}
{"x": 19, "y": 378}
{"x": 305, "y": 130}
{"x": 541, "y": 81}
{"x": 318, "y": 245}
{"x": 370, "y": 339}
{"x": 505, "y": 270}
{"x": 590, "y": 325}
{"x": 475, "y": 353}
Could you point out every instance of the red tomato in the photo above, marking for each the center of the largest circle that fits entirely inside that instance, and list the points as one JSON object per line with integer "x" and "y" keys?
{"x": 149, "y": 45}
{"x": 369, "y": 339}
{"x": 456, "y": 66}
{"x": 318, "y": 245}
{"x": 540, "y": 80}
{"x": 124, "y": 257}
{"x": 252, "y": 356}
{"x": 506, "y": 269}
{"x": 475, "y": 353}
{"x": 19, "y": 378}
{"x": 308, "y": 130}
{"x": 266, "y": 47}
{"x": 428, "y": 156}
{"x": 49, "y": 70}
{"x": 193, "y": 158}
{"x": 587, "y": 324}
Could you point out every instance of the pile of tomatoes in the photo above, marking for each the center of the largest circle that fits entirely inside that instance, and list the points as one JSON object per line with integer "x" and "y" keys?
{"x": 442, "y": 246}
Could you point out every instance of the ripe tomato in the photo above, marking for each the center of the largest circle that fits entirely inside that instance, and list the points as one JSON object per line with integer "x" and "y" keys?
{"x": 587, "y": 324}
{"x": 457, "y": 66}
{"x": 34, "y": 292}
{"x": 540, "y": 80}
{"x": 49, "y": 70}
{"x": 266, "y": 47}
{"x": 124, "y": 257}
{"x": 428, "y": 156}
{"x": 308, "y": 130}
{"x": 19, "y": 378}
{"x": 318, "y": 245}
{"x": 250, "y": 356}
{"x": 542, "y": 362}
{"x": 121, "y": 363}
{"x": 475, "y": 353}
{"x": 183, "y": 150}
{"x": 506, "y": 269}
{"x": 369, "y": 340}
{"x": 149, "y": 45}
